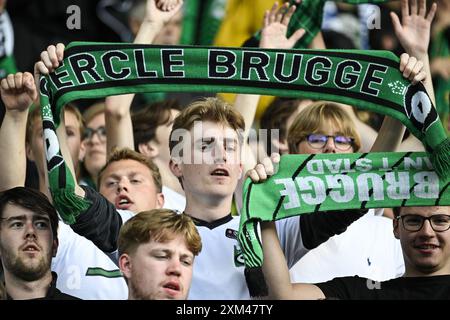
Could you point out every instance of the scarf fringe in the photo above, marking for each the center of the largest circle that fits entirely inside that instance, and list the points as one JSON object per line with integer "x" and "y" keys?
{"x": 256, "y": 282}
{"x": 441, "y": 159}
{"x": 69, "y": 205}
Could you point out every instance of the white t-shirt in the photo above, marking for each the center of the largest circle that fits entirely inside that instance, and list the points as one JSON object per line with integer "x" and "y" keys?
{"x": 367, "y": 249}
{"x": 219, "y": 268}
{"x": 173, "y": 200}
{"x": 84, "y": 271}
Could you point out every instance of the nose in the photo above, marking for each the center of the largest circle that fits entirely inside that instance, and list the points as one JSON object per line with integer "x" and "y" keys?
{"x": 426, "y": 230}
{"x": 174, "y": 267}
{"x": 329, "y": 147}
{"x": 220, "y": 154}
{"x": 95, "y": 138}
{"x": 30, "y": 231}
{"x": 122, "y": 185}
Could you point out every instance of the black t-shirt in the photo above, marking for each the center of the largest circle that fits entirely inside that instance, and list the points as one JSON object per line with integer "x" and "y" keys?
{"x": 405, "y": 288}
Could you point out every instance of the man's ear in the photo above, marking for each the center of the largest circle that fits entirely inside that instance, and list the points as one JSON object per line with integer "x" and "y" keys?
{"x": 29, "y": 152}
{"x": 125, "y": 265}
{"x": 395, "y": 224}
{"x": 149, "y": 149}
{"x": 55, "y": 247}
{"x": 175, "y": 167}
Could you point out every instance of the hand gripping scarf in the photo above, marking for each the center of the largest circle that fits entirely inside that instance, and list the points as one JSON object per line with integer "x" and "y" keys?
{"x": 322, "y": 182}
{"x": 366, "y": 79}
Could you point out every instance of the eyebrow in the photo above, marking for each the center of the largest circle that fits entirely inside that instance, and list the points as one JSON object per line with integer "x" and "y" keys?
{"x": 212, "y": 139}
{"x": 24, "y": 218}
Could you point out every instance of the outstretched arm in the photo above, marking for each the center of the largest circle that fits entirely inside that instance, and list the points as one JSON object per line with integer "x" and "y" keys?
{"x": 414, "y": 35}
{"x": 276, "y": 271}
{"x": 119, "y": 129}
{"x": 273, "y": 36}
{"x": 50, "y": 60}
{"x": 18, "y": 92}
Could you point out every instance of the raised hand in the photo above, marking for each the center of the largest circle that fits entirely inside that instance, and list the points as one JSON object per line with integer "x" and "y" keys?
{"x": 265, "y": 169}
{"x": 414, "y": 30}
{"x": 275, "y": 25}
{"x": 167, "y": 5}
{"x": 158, "y": 12}
{"x": 18, "y": 91}
{"x": 412, "y": 68}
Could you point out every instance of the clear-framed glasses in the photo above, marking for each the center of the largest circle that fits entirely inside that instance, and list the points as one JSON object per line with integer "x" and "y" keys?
{"x": 100, "y": 131}
{"x": 414, "y": 222}
{"x": 318, "y": 141}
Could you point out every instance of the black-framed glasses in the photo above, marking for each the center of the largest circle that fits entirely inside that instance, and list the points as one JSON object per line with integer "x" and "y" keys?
{"x": 414, "y": 222}
{"x": 318, "y": 141}
{"x": 100, "y": 131}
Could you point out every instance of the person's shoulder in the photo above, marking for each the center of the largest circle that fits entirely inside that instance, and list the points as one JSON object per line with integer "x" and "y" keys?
{"x": 63, "y": 296}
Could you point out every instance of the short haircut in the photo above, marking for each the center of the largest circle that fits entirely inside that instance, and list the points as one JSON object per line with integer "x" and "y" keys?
{"x": 148, "y": 119}
{"x": 397, "y": 211}
{"x": 160, "y": 225}
{"x": 32, "y": 200}
{"x": 275, "y": 117}
{"x": 36, "y": 113}
{"x": 310, "y": 119}
{"x": 208, "y": 109}
{"x": 128, "y": 154}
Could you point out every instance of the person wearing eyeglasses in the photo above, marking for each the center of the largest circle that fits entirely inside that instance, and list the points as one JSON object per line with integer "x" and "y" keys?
{"x": 425, "y": 239}
{"x": 94, "y": 144}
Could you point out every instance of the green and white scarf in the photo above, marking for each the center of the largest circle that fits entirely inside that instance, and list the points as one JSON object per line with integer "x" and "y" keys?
{"x": 366, "y": 79}
{"x": 307, "y": 184}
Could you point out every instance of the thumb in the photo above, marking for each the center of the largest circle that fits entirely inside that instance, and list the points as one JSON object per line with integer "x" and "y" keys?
{"x": 276, "y": 158}
{"x": 30, "y": 86}
{"x": 296, "y": 36}
{"x": 396, "y": 23}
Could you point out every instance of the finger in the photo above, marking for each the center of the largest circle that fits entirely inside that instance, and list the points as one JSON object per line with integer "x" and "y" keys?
{"x": 419, "y": 77}
{"x": 396, "y": 23}
{"x": 29, "y": 85}
{"x": 51, "y": 51}
{"x": 297, "y": 35}
{"x": 422, "y": 8}
{"x": 266, "y": 18}
{"x": 403, "y": 61}
{"x": 268, "y": 166}
{"x": 432, "y": 12}
{"x": 4, "y": 84}
{"x": 409, "y": 67}
{"x": 413, "y": 7}
{"x": 11, "y": 83}
{"x": 253, "y": 175}
{"x": 275, "y": 157}
{"x": 60, "y": 51}
{"x": 41, "y": 68}
{"x": 18, "y": 80}
{"x": 261, "y": 171}
{"x": 273, "y": 12}
{"x": 45, "y": 59}
{"x": 405, "y": 9}
{"x": 416, "y": 70}
{"x": 283, "y": 9}
{"x": 288, "y": 15}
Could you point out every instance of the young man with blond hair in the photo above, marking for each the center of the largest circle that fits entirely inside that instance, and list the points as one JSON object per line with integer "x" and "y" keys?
{"x": 157, "y": 250}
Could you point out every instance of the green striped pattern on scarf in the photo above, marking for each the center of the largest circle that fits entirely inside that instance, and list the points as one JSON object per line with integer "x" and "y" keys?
{"x": 306, "y": 184}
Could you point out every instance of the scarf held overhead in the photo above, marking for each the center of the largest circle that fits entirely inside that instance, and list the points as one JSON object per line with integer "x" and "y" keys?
{"x": 365, "y": 79}
{"x": 326, "y": 182}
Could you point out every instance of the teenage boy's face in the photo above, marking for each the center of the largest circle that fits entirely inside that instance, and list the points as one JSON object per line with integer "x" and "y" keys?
{"x": 213, "y": 166}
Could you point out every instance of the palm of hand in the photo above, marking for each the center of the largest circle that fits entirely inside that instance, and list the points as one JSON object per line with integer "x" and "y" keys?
{"x": 274, "y": 36}
{"x": 415, "y": 35}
